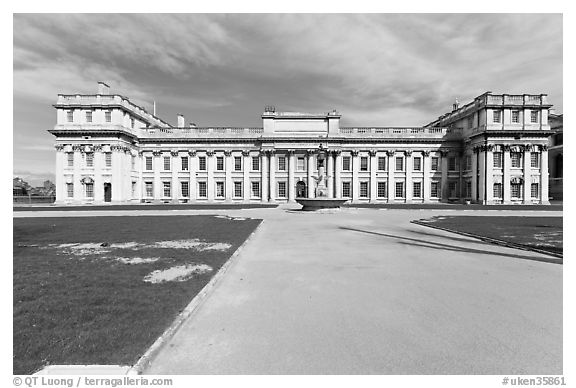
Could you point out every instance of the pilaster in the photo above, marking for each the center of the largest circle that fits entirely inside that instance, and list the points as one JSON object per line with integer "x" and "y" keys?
{"x": 527, "y": 174}
{"x": 246, "y": 175}
{"x": 291, "y": 169}
{"x": 373, "y": 169}
{"x": 210, "y": 184}
{"x": 98, "y": 180}
{"x": 61, "y": 192}
{"x": 426, "y": 175}
{"x": 444, "y": 183}
{"x": 193, "y": 166}
{"x": 330, "y": 173}
{"x": 390, "y": 165}
{"x": 355, "y": 169}
{"x": 309, "y": 170}
{"x": 156, "y": 166}
{"x": 273, "y": 167}
{"x": 264, "y": 176}
{"x": 506, "y": 175}
{"x": 229, "y": 186}
{"x": 409, "y": 168}
{"x": 337, "y": 174}
{"x": 544, "y": 195}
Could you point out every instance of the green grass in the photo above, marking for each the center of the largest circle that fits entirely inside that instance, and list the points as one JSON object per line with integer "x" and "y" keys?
{"x": 542, "y": 233}
{"x": 95, "y": 309}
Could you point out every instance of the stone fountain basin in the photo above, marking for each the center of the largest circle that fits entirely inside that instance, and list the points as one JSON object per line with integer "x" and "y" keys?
{"x": 311, "y": 204}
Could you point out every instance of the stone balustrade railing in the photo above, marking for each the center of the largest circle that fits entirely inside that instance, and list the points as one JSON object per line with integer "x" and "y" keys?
{"x": 193, "y": 132}
{"x": 403, "y": 131}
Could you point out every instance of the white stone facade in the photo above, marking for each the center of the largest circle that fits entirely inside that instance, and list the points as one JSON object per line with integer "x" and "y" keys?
{"x": 492, "y": 150}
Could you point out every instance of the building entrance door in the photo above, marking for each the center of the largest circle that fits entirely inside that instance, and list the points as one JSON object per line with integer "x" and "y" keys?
{"x": 107, "y": 192}
{"x": 301, "y": 190}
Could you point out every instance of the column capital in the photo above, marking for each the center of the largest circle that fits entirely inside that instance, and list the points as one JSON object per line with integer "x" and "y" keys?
{"x": 372, "y": 152}
{"x": 227, "y": 153}
{"x": 444, "y": 152}
{"x": 426, "y": 153}
{"x": 390, "y": 152}
{"x": 76, "y": 147}
{"x": 174, "y": 153}
{"x": 543, "y": 147}
{"x": 336, "y": 152}
{"x": 245, "y": 153}
{"x": 156, "y": 153}
{"x": 527, "y": 147}
{"x": 408, "y": 152}
{"x": 140, "y": 153}
{"x": 311, "y": 151}
{"x": 354, "y": 152}
{"x": 290, "y": 152}
{"x": 210, "y": 153}
{"x": 59, "y": 147}
{"x": 98, "y": 147}
{"x": 192, "y": 153}
{"x": 506, "y": 147}
{"x": 476, "y": 149}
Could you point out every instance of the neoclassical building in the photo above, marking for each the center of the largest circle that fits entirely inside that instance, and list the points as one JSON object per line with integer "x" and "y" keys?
{"x": 492, "y": 150}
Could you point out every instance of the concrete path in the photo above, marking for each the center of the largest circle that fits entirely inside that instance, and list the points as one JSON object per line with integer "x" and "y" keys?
{"x": 363, "y": 291}
{"x": 366, "y": 292}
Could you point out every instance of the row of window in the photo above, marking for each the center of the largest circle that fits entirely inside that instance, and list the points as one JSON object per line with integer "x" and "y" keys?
{"x": 88, "y": 117}
{"x": 497, "y": 116}
{"x": 88, "y": 159}
{"x": 516, "y": 190}
{"x": 516, "y": 159}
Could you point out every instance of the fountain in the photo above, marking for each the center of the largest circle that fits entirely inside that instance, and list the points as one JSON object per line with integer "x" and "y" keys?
{"x": 321, "y": 200}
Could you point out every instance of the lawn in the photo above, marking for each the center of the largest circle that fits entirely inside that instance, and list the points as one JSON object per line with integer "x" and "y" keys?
{"x": 101, "y": 290}
{"x": 541, "y": 233}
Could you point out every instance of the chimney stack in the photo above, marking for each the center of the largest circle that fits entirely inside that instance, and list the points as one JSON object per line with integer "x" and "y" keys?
{"x": 103, "y": 88}
{"x": 181, "y": 121}
{"x": 455, "y": 105}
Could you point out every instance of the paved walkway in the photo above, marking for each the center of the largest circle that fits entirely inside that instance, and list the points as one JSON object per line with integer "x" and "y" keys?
{"x": 364, "y": 291}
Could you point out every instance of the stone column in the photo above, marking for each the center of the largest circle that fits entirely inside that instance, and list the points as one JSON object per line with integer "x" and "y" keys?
{"x": 210, "y": 184}
{"x": 475, "y": 174}
{"x": 61, "y": 191}
{"x": 98, "y": 182}
{"x": 489, "y": 165}
{"x": 264, "y": 176}
{"x": 246, "y": 175}
{"x": 355, "y": 169}
{"x": 291, "y": 169}
{"x": 272, "y": 175}
{"x": 373, "y": 169}
{"x": 409, "y": 168}
{"x": 390, "y": 165}
{"x": 310, "y": 169}
{"x": 78, "y": 186}
{"x": 117, "y": 178}
{"x": 156, "y": 166}
{"x": 330, "y": 173}
{"x": 337, "y": 174}
{"x": 544, "y": 196}
{"x": 228, "y": 186}
{"x": 140, "y": 183}
{"x": 444, "y": 183}
{"x": 193, "y": 167}
{"x": 175, "y": 187}
{"x": 527, "y": 174}
{"x": 506, "y": 175}
{"x": 426, "y": 175}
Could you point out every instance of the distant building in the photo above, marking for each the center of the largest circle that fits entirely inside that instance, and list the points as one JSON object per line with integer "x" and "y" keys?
{"x": 555, "y": 156}
{"x": 493, "y": 150}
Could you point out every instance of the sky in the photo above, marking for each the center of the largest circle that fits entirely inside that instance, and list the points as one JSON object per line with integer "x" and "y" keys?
{"x": 222, "y": 69}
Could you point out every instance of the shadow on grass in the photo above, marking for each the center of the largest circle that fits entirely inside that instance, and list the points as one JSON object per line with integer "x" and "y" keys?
{"x": 454, "y": 248}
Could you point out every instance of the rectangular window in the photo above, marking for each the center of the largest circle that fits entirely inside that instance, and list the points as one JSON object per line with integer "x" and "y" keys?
{"x": 202, "y": 163}
{"x": 470, "y": 121}
{"x": 451, "y": 164}
{"x": 497, "y": 116}
{"x": 149, "y": 189}
{"x": 219, "y": 163}
{"x": 497, "y": 157}
{"x": 185, "y": 189}
{"x": 108, "y": 116}
{"x": 515, "y": 116}
{"x": 166, "y": 163}
{"x": 70, "y": 156}
{"x": 88, "y": 116}
{"x": 516, "y": 159}
{"x": 69, "y": 116}
{"x": 89, "y": 190}
{"x": 516, "y": 190}
{"x": 534, "y": 190}
{"x": 255, "y": 189}
{"x": 345, "y": 163}
{"x": 363, "y": 189}
{"x": 237, "y": 189}
{"x": 453, "y": 189}
{"x": 468, "y": 162}
{"x": 133, "y": 189}
{"x": 255, "y": 163}
{"x": 399, "y": 192}
{"x": 417, "y": 189}
{"x": 70, "y": 189}
{"x": 468, "y": 188}
{"x": 219, "y": 189}
{"x": 148, "y": 163}
{"x": 202, "y": 193}
{"x": 497, "y": 190}
{"x": 533, "y": 116}
{"x": 237, "y": 163}
{"x": 364, "y": 163}
{"x": 434, "y": 189}
{"x": 89, "y": 159}
{"x": 399, "y": 163}
{"x": 108, "y": 158}
{"x": 166, "y": 189}
{"x": 184, "y": 163}
{"x": 281, "y": 163}
{"x": 346, "y": 189}
{"x": 434, "y": 163}
{"x": 132, "y": 122}
{"x": 534, "y": 159}
{"x": 300, "y": 163}
{"x": 282, "y": 189}
{"x": 382, "y": 190}
{"x": 381, "y": 163}
{"x": 417, "y": 163}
